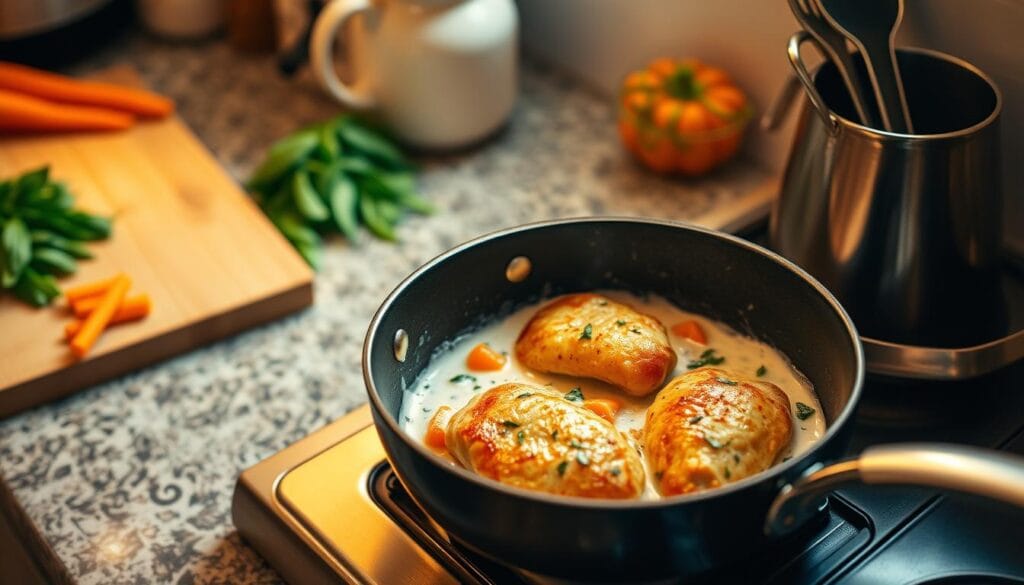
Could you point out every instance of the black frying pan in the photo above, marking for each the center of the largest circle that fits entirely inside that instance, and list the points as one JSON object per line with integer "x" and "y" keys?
{"x": 747, "y": 287}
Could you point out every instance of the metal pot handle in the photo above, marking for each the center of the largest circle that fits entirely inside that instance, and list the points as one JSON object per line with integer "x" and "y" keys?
{"x": 795, "y": 41}
{"x": 983, "y": 472}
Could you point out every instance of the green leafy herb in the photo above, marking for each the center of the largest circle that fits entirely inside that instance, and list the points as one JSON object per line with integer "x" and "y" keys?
{"x": 715, "y": 443}
{"x": 520, "y": 436}
{"x": 727, "y": 473}
{"x": 574, "y": 395}
{"x": 616, "y": 471}
{"x": 332, "y": 177}
{"x": 42, "y": 235}
{"x": 587, "y": 331}
{"x": 635, "y": 330}
{"x": 736, "y": 457}
{"x": 620, "y": 322}
{"x": 511, "y": 424}
{"x": 525, "y": 394}
{"x": 582, "y": 458}
{"x": 554, "y": 435}
{"x": 726, "y": 381}
{"x": 761, "y": 371}
{"x": 696, "y": 419}
{"x": 458, "y": 379}
{"x": 575, "y": 444}
{"x": 562, "y": 467}
{"x": 708, "y": 358}
{"x": 804, "y": 412}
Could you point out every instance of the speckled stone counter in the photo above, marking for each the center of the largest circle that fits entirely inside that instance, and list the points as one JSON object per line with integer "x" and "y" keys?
{"x": 131, "y": 481}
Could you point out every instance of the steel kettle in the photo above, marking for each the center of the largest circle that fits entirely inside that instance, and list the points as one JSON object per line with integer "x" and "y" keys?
{"x": 903, "y": 228}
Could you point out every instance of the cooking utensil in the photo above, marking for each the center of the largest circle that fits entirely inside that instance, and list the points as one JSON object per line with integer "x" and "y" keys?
{"x": 871, "y": 26}
{"x": 179, "y": 222}
{"x": 904, "y": 229}
{"x": 808, "y": 12}
{"x": 749, "y": 288}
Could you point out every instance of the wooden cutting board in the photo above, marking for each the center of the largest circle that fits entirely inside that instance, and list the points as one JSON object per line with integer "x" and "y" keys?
{"x": 183, "y": 231}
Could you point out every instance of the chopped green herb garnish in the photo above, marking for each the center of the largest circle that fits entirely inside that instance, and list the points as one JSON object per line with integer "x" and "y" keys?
{"x": 520, "y": 436}
{"x": 715, "y": 443}
{"x": 510, "y": 424}
{"x": 525, "y": 394}
{"x": 476, "y": 387}
{"x": 554, "y": 435}
{"x": 696, "y": 419}
{"x": 562, "y": 467}
{"x": 463, "y": 378}
{"x": 726, "y": 381}
{"x": 620, "y": 322}
{"x": 427, "y": 409}
{"x": 708, "y": 358}
{"x": 574, "y": 395}
{"x": 575, "y": 444}
{"x": 728, "y": 473}
{"x": 635, "y": 330}
{"x": 616, "y": 471}
{"x": 736, "y": 457}
{"x": 761, "y": 371}
{"x": 587, "y": 331}
{"x": 804, "y": 412}
{"x": 582, "y": 458}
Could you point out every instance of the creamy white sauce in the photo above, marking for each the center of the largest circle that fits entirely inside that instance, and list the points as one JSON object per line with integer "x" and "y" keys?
{"x": 743, "y": 355}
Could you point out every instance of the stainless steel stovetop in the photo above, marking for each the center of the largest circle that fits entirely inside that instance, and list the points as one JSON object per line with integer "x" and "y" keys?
{"x": 328, "y": 509}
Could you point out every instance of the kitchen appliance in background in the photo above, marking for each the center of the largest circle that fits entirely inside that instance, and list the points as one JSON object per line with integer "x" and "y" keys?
{"x": 601, "y": 41}
{"x": 56, "y": 32}
{"x": 439, "y": 75}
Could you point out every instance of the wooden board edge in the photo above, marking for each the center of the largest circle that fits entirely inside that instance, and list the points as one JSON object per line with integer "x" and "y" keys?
{"x": 194, "y": 335}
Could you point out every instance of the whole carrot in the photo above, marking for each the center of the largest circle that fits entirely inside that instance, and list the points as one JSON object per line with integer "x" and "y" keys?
{"x": 83, "y": 307}
{"x": 24, "y": 113}
{"x": 98, "y": 320}
{"x": 59, "y": 88}
{"x": 131, "y": 309}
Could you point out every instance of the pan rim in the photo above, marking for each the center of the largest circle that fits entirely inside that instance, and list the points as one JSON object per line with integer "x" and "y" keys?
{"x": 835, "y": 428}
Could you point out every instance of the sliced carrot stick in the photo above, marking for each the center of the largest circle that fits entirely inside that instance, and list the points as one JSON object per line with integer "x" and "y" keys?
{"x": 83, "y": 306}
{"x": 24, "y": 113}
{"x": 59, "y": 88}
{"x": 484, "y": 359}
{"x": 90, "y": 289}
{"x": 605, "y": 408}
{"x": 436, "y": 428}
{"x": 131, "y": 309}
{"x": 98, "y": 320}
{"x": 690, "y": 330}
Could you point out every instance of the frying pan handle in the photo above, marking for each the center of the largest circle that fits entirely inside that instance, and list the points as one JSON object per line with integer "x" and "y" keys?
{"x": 983, "y": 472}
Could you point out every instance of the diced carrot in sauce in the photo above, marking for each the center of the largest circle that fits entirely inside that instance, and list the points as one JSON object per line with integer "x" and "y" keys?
{"x": 483, "y": 358}
{"x": 436, "y": 428}
{"x": 605, "y": 408}
{"x": 690, "y": 330}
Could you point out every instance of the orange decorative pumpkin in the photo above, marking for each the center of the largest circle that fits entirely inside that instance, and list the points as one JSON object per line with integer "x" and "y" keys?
{"x": 680, "y": 115}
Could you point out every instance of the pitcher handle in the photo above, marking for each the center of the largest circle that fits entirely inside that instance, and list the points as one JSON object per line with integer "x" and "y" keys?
{"x": 321, "y": 52}
{"x": 984, "y": 472}
{"x": 793, "y": 51}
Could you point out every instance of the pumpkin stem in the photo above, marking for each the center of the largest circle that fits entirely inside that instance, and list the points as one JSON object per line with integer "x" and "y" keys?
{"x": 682, "y": 84}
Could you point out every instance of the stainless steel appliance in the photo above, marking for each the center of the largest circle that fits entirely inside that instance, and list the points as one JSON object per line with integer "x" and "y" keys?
{"x": 21, "y": 18}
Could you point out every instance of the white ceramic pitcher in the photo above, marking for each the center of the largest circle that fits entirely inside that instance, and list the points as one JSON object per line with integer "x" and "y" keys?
{"x": 439, "y": 73}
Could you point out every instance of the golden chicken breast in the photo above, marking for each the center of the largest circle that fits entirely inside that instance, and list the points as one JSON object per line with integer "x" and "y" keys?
{"x": 534, "y": 438}
{"x": 709, "y": 426}
{"x": 595, "y": 337}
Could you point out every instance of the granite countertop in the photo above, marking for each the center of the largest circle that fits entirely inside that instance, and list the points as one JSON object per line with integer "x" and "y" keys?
{"x": 131, "y": 481}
